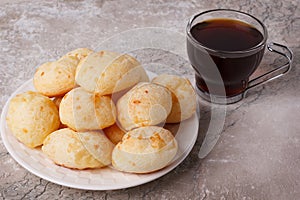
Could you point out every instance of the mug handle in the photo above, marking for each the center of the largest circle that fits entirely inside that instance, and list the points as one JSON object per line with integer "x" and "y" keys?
{"x": 277, "y": 72}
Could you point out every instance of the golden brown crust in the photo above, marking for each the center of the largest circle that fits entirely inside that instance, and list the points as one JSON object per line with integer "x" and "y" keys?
{"x": 57, "y": 78}
{"x": 81, "y": 110}
{"x": 183, "y": 96}
{"x": 107, "y": 72}
{"x": 54, "y": 78}
{"x": 114, "y": 133}
{"x": 57, "y": 101}
{"x": 65, "y": 148}
{"x": 31, "y": 117}
{"x": 77, "y": 54}
{"x": 144, "y": 105}
{"x": 144, "y": 150}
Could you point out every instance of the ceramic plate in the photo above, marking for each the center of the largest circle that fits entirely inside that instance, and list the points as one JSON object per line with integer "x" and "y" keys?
{"x": 95, "y": 179}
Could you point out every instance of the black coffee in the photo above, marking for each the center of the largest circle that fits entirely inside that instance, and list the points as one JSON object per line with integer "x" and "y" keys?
{"x": 235, "y": 68}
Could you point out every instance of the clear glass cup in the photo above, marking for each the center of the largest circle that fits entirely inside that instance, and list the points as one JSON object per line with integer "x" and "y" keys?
{"x": 223, "y": 76}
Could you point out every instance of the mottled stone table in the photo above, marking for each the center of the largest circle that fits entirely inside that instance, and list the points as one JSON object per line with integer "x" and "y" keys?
{"x": 257, "y": 154}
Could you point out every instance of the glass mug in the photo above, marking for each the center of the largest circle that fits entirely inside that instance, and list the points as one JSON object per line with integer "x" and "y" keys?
{"x": 225, "y": 47}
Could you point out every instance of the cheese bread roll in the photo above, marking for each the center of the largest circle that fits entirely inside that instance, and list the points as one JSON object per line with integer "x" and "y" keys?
{"x": 183, "y": 96}
{"x": 54, "y": 78}
{"x": 78, "y": 150}
{"x": 107, "y": 72}
{"x": 144, "y": 105}
{"x": 144, "y": 150}
{"x": 82, "y": 110}
{"x": 31, "y": 117}
{"x": 114, "y": 133}
{"x": 57, "y": 78}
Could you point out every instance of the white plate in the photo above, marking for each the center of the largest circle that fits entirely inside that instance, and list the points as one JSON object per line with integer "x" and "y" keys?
{"x": 95, "y": 179}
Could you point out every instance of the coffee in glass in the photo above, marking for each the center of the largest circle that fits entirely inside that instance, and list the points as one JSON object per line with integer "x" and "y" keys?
{"x": 225, "y": 47}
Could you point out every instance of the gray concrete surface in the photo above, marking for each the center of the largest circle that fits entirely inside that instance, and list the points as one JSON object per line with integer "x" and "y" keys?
{"x": 257, "y": 155}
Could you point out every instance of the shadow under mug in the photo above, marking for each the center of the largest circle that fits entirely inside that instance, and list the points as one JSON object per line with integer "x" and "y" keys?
{"x": 222, "y": 76}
